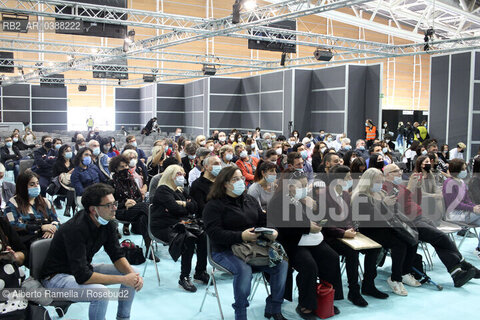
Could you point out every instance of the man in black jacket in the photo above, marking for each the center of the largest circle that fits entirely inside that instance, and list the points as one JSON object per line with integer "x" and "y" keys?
{"x": 201, "y": 187}
{"x": 188, "y": 162}
{"x": 10, "y": 156}
{"x": 17, "y": 142}
{"x": 44, "y": 159}
{"x": 68, "y": 264}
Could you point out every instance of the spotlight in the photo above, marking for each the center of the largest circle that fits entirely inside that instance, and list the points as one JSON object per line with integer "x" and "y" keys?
{"x": 247, "y": 5}
{"x": 209, "y": 70}
{"x": 149, "y": 78}
{"x": 323, "y": 54}
{"x": 129, "y": 40}
{"x": 82, "y": 87}
{"x": 282, "y": 60}
{"x": 428, "y": 37}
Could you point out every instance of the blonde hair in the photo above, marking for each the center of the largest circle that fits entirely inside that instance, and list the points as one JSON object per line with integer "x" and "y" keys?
{"x": 224, "y": 149}
{"x": 129, "y": 152}
{"x": 169, "y": 174}
{"x": 156, "y": 150}
{"x": 200, "y": 137}
{"x": 365, "y": 183}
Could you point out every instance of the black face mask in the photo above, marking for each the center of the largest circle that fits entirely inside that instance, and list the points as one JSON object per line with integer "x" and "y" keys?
{"x": 379, "y": 165}
{"x": 435, "y": 166}
{"x": 461, "y": 151}
{"x": 427, "y": 167}
{"x": 123, "y": 174}
{"x": 97, "y": 133}
{"x": 48, "y": 144}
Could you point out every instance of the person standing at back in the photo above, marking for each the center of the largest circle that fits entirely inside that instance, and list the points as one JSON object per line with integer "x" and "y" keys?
{"x": 370, "y": 132}
{"x": 90, "y": 123}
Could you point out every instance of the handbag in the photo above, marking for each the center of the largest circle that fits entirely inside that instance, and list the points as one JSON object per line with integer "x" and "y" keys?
{"x": 133, "y": 253}
{"x": 54, "y": 186}
{"x": 325, "y": 296}
{"x": 260, "y": 253}
{"x": 402, "y": 226}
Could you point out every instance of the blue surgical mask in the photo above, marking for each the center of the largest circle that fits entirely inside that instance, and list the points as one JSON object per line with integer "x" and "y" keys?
{"x": 58, "y": 146}
{"x": 377, "y": 187}
{"x": 238, "y": 187}
{"x": 15, "y": 139}
{"x": 349, "y": 184}
{"x": 304, "y": 154}
{"x": 216, "y": 170}
{"x": 299, "y": 169}
{"x": 329, "y": 139}
{"x": 191, "y": 157}
{"x": 68, "y": 155}
{"x": 300, "y": 193}
{"x": 101, "y": 220}
{"x": 87, "y": 160}
{"x": 463, "y": 174}
{"x": 180, "y": 181}
{"x": 309, "y": 145}
{"x": 271, "y": 178}
{"x": 361, "y": 148}
{"x": 9, "y": 144}
{"x": 113, "y": 144}
{"x": 134, "y": 143}
{"x": 34, "y": 192}
{"x": 229, "y": 156}
{"x": 243, "y": 154}
{"x": 348, "y": 147}
{"x": 385, "y": 150}
{"x": 397, "y": 180}
{"x": 424, "y": 152}
{"x": 96, "y": 151}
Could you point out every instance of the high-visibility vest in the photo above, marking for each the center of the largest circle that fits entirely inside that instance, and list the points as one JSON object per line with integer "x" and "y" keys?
{"x": 423, "y": 132}
{"x": 90, "y": 122}
{"x": 371, "y": 133}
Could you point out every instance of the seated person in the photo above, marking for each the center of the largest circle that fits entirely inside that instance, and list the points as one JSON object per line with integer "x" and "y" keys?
{"x": 152, "y": 187}
{"x": 99, "y": 158}
{"x": 68, "y": 264}
{"x": 131, "y": 140}
{"x": 29, "y": 138}
{"x": 17, "y": 142}
{"x": 57, "y": 144}
{"x": 246, "y": 164}
{"x": 264, "y": 186}
{"x": 171, "y": 205}
{"x": 64, "y": 166}
{"x": 188, "y": 161}
{"x": 196, "y": 172}
{"x": 85, "y": 173}
{"x": 7, "y": 189}
{"x": 230, "y": 217}
{"x": 12, "y": 256}
{"x": 32, "y": 215}
{"x": 226, "y": 155}
{"x": 108, "y": 145}
{"x": 137, "y": 169}
{"x": 10, "y": 156}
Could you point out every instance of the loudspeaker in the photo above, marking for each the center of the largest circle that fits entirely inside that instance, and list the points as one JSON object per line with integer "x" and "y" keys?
{"x": 209, "y": 70}
{"x": 323, "y": 54}
{"x": 148, "y": 78}
{"x": 82, "y": 87}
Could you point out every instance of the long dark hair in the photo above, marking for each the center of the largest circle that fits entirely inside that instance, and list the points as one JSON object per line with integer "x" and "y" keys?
{"x": 103, "y": 142}
{"x": 218, "y": 190}
{"x": 418, "y": 163}
{"x": 262, "y": 167}
{"x": 60, "y": 157}
{"x": 21, "y": 194}
{"x": 79, "y": 156}
{"x": 357, "y": 163}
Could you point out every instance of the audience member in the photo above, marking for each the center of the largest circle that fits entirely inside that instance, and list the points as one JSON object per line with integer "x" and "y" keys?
{"x": 44, "y": 159}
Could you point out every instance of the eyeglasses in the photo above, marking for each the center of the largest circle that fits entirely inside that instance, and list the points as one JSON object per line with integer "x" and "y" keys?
{"x": 110, "y": 206}
{"x": 235, "y": 179}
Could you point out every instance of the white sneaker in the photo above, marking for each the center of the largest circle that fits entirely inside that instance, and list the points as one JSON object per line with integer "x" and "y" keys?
{"x": 397, "y": 287}
{"x": 409, "y": 280}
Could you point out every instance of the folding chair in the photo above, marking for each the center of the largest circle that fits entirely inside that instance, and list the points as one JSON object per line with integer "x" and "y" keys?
{"x": 154, "y": 241}
{"x": 38, "y": 254}
{"x": 258, "y": 277}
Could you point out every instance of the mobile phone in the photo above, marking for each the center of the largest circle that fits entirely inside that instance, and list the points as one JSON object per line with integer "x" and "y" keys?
{"x": 264, "y": 230}
{"x": 323, "y": 222}
{"x": 395, "y": 192}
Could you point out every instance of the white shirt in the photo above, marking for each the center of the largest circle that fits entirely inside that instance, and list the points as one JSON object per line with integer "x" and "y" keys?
{"x": 454, "y": 154}
{"x": 193, "y": 175}
{"x": 4, "y": 201}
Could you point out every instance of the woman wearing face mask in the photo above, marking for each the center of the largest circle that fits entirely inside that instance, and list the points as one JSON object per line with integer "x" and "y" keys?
{"x": 230, "y": 217}
{"x": 369, "y": 199}
{"x": 252, "y": 149}
{"x": 443, "y": 158}
{"x": 137, "y": 169}
{"x": 247, "y": 164}
{"x": 85, "y": 173}
{"x": 376, "y": 161}
{"x": 264, "y": 183}
{"x": 17, "y": 142}
{"x": 340, "y": 184}
{"x": 429, "y": 187}
{"x": 64, "y": 166}
{"x": 130, "y": 203}
{"x": 296, "y": 135}
{"x": 200, "y": 140}
{"x": 387, "y": 154}
{"x": 304, "y": 243}
{"x": 226, "y": 156}
{"x": 172, "y": 205}
{"x": 113, "y": 151}
{"x": 317, "y": 155}
{"x": 32, "y": 215}
{"x": 210, "y": 145}
{"x": 457, "y": 199}
{"x": 29, "y": 138}
{"x": 79, "y": 144}
{"x": 237, "y": 139}
{"x": 155, "y": 162}
{"x": 10, "y": 156}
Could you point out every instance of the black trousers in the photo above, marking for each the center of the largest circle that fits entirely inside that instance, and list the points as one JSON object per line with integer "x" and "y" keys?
{"x": 445, "y": 248}
{"x": 402, "y": 253}
{"x": 315, "y": 262}
{"x": 190, "y": 246}
{"x": 351, "y": 263}
{"x": 137, "y": 214}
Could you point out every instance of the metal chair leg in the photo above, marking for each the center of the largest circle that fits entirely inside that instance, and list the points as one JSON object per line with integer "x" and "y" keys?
{"x": 218, "y": 298}
{"x": 266, "y": 284}
{"x": 254, "y": 288}
{"x": 146, "y": 262}
{"x": 156, "y": 267}
{"x": 206, "y": 291}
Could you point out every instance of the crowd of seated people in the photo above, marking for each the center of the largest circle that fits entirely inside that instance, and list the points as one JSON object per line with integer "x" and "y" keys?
{"x": 226, "y": 184}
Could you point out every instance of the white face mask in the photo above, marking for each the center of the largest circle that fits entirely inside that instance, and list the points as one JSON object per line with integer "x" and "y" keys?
{"x": 133, "y": 163}
{"x": 211, "y": 148}
{"x": 222, "y": 139}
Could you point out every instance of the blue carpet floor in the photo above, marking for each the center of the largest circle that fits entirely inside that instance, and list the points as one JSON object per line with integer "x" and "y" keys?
{"x": 168, "y": 301}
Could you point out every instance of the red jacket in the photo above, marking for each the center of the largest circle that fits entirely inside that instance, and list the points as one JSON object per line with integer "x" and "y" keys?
{"x": 406, "y": 199}
{"x": 248, "y": 168}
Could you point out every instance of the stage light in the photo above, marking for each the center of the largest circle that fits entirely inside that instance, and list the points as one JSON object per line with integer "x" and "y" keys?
{"x": 239, "y": 5}
{"x": 129, "y": 40}
{"x": 209, "y": 70}
{"x": 82, "y": 87}
{"x": 249, "y": 5}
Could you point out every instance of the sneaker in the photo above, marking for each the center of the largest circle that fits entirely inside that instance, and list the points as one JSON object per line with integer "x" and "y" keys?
{"x": 202, "y": 277}
{"x": 460, "y": 277}
{"x": 476, "y": 252}
{"x": 186, "y": 284}
{"x": 466, "y": 233}
{"x": 409, "y": 280}
{"x": 397, "y": 287}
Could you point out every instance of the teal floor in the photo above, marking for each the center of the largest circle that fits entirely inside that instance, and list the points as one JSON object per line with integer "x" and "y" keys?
{"x": 168, "y": 301}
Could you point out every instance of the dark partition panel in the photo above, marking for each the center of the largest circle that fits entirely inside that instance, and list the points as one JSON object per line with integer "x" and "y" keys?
{"x": 127, "y": 108}
{"x": 49, "y": 108}
{"x": 170, "y": 100}
{"x": 439, "y": 92}
{"x": 16, "y": 103}
{"x": 195, "y": 108}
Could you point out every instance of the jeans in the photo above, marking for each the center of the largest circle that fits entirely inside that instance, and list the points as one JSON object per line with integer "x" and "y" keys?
{"x": 399, "y": 140}
{"x": 98, "y": 308}
{"x": 242, "y": 278}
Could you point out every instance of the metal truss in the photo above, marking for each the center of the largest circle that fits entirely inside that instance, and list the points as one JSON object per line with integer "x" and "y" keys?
{"x": 214, "y": 27}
